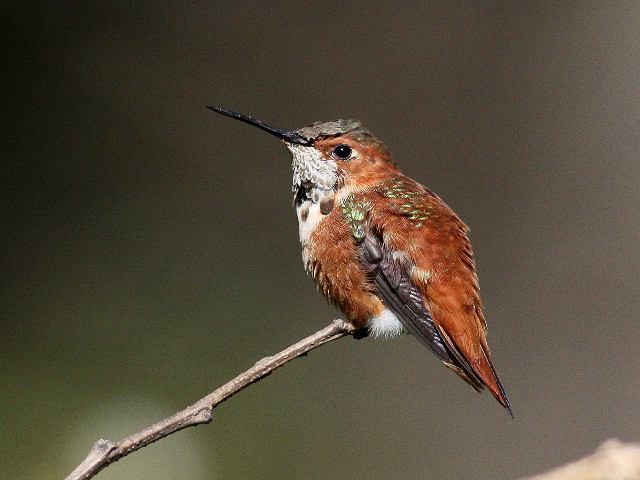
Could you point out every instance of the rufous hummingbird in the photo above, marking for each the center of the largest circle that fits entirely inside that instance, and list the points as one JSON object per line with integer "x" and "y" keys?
{"x": 387, "y": 251}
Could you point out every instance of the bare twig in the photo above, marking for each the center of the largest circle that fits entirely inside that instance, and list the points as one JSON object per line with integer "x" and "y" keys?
{"x": 105, "y": 452}
{"x": 614, "y": 460}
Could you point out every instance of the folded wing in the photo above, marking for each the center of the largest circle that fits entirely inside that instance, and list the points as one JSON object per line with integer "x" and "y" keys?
{"x": 418, "y": 255}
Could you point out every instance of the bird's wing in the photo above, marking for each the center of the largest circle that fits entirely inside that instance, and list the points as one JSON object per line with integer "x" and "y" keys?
{"x": 420, "y": 258}
{"x": 400, "y": 294}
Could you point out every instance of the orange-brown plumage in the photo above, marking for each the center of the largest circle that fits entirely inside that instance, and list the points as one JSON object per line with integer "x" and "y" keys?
{"x": 435, "y": 241}
{"x": 441, "y": 247}
{"x": 384, "y": 249}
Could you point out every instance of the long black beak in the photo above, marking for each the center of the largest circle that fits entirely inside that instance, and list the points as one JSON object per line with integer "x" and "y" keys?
{"x": 290, "y": 137}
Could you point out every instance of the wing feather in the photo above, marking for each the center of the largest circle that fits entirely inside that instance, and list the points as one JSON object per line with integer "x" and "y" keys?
{"x": 402, "y": 297}
{"x": 425, "y": 272}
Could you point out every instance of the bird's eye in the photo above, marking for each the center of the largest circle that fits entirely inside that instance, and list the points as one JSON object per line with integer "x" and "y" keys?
{"x": 342, "y": 151}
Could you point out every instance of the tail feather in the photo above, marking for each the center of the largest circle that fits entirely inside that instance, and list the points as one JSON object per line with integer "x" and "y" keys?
{"x": 495, "y": 385}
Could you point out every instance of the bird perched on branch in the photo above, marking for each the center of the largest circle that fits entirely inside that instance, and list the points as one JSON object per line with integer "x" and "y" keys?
{"x": 388, "y": 252}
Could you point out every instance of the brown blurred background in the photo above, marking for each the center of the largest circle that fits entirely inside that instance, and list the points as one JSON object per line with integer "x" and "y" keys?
{"x": 150, "y": 251}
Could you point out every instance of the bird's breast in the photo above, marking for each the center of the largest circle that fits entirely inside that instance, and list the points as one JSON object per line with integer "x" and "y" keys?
{"x": 331, "y": 256}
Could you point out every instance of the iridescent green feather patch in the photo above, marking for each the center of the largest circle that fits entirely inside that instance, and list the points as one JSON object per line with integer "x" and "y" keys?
{"x": 414, "y": 206}
{"x": 355, "y": 212}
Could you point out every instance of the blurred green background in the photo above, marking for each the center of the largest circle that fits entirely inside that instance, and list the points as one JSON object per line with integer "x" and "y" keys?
{"x": 150, "y": 250}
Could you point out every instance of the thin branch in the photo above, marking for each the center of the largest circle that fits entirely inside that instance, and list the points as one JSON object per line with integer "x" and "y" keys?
{"x": 612, "y": 461}
{"x": 105, "y": 452}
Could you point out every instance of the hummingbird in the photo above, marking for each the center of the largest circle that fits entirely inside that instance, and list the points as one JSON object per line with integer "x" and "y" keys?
{"x": 384, "y": 249}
